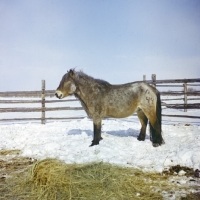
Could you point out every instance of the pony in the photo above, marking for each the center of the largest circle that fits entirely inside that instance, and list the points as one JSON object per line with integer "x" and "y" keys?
{"x": 101, "y": 100}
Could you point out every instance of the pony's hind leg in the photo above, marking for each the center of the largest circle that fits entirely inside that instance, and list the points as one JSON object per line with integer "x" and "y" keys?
{"x": 155, "y": 127}
{"x": 155, "y": 134}
{"x": 143, "y": 120}
{"x": 153, "y": 110}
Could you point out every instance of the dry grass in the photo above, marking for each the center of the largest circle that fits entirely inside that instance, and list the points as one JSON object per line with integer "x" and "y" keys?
{"x": 53, "y": 179}
{"x": 9, "y": 152}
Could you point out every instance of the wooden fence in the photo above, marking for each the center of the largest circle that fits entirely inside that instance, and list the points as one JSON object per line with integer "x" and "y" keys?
{"x": 184, "y": 95}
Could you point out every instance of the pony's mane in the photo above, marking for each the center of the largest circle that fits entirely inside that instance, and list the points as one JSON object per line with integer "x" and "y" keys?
{"x": 80, "y": 74}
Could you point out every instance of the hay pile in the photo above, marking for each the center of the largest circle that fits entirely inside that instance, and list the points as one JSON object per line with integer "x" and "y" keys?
{"x": 56, "y": 180}
{"x": 52, "y": 179}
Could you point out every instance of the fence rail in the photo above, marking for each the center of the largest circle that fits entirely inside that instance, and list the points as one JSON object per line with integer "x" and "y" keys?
{"x": 38, "y": 109}
{"x": 183, "y": 95}
{"x": 38, "y": 93}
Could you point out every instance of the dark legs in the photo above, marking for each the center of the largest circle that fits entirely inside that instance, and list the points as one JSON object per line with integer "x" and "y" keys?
{"x": 97, "y": 133}
{"x": 155, "y": 134}
{"x": 155, "y": 128}
{"x": 143, "y": 120}
{"x": 154, "y": 118}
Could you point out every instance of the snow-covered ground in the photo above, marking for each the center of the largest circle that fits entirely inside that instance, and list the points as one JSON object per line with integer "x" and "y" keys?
{"x": 70, "y": 140}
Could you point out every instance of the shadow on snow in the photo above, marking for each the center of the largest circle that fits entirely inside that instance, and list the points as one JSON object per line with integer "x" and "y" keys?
{"x": 119, "y": 133}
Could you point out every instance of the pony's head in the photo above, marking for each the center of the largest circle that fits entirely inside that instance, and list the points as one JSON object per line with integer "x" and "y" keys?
{"x": 67, "y": 85}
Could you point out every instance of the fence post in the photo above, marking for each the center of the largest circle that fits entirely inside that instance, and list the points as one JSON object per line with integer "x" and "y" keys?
{"x": 153, "y": 77}
{"x": 185, "y": 96}
{"x": 144, "y": 78}
{"x": 43, "y": 102}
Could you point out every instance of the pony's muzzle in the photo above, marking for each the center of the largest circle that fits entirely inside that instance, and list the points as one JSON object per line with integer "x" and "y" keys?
{"x": 58, "y": 94}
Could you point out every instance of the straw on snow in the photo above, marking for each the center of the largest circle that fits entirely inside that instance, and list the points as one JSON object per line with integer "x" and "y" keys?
{"x": 54, "y": 179}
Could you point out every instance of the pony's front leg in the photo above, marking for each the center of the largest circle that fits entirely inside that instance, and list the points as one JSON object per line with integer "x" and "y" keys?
{"x": 97, "y": 132}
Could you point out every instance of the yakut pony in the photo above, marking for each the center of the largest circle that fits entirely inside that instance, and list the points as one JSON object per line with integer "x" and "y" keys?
{"x": 100, "y": 99}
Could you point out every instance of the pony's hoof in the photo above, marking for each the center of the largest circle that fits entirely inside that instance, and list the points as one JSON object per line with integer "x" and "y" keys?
{"x": 140, "y": 139}
{"x": 156, "y": 144}
{"x": 94, "y": 143}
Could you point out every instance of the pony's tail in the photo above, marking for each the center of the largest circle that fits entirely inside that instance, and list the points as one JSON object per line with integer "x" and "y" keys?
{"x": 156, "y": 134}
{"x": 159, "y": 110}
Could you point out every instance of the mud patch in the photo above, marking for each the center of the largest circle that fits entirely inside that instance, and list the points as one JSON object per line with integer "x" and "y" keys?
{"x": 173, "y": 170}
{"x": 12, "y": 166}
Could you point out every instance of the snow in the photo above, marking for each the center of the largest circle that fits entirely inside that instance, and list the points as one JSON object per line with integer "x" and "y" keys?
{"x": 70, "y": 140}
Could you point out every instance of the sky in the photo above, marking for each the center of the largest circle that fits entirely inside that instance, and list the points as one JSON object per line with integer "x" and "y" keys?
{"x": 115, "y": 40}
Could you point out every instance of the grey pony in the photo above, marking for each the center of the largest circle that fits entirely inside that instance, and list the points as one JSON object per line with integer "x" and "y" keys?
{"x": 101, "y": 99}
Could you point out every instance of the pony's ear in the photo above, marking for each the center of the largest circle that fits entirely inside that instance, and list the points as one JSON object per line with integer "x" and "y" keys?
{"x": 71, "y": 73}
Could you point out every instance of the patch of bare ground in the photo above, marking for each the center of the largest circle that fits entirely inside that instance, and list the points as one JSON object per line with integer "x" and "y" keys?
{"x": 175, "y": 170}
{"x": 12, "y": 166}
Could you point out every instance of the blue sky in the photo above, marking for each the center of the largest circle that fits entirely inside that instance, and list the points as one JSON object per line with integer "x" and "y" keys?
{"x": 115, "y": 40}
